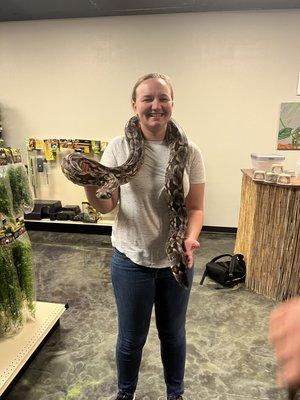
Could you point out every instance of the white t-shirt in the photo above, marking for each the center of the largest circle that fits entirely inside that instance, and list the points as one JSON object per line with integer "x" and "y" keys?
{"x": 141, "y": 228}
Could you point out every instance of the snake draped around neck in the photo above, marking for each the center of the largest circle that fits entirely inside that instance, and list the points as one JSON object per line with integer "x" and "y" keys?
{"x": 108, "y": 179}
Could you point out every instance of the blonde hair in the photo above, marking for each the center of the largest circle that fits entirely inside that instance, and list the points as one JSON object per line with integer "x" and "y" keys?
{"x": 153, "y": 75}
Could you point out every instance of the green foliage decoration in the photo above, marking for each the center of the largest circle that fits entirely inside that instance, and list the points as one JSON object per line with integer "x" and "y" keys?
{"x": 10, "y": 292}
{"x": 296, "y": 137}
{"x": 284, "y": 133}
{"x": 17, "y": 283}
{"x": 19, "y": 183}
{"x": 6, "y": 207}
{"x": 22, "y": 257}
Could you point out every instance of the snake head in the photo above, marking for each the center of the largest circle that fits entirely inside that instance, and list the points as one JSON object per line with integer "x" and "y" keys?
{"x": 103, "y": 195}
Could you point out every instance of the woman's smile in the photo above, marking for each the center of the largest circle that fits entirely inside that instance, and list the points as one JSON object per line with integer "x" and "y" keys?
{"x": 156, "y": 114}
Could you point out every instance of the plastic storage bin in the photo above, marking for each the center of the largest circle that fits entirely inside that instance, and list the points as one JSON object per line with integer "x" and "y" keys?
{"x": 264, "y": 162}
{"x": 297, "y": 171}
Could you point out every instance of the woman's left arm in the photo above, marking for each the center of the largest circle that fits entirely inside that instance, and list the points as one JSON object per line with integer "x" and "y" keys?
{"x": 194, "y": 203}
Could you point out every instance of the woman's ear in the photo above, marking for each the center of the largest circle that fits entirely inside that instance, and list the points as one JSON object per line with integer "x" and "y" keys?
{"x": 133, "y": 106}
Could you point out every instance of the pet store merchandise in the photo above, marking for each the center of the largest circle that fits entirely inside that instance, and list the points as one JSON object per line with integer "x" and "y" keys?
{"x": 45, "y": 155}
{"x": 52, "y": 210}
{"x": 19, "y": 311}
{"x": 16, "y": 267}
{"x": 72, "y": 212}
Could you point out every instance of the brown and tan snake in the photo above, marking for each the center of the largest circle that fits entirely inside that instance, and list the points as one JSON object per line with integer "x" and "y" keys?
{"x": 84, "y": 171}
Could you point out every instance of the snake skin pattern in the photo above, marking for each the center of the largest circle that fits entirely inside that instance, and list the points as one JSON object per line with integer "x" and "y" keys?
{"x": 83, "y": 171}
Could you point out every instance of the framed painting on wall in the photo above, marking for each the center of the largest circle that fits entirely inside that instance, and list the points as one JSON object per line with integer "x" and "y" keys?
{"x": 289, "y": 127}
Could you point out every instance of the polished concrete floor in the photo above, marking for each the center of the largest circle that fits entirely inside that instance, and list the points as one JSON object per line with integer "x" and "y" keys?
{"x": 228, "y": 356}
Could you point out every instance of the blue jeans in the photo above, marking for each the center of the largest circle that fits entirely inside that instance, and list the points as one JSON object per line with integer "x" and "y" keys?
{"x": 136, "y": 289}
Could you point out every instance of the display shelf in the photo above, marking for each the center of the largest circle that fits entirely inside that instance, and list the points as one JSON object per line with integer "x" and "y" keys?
{"x": 102, "y": 222}
{"x": 17, "y": 349}
{"x": 103, "y": 227}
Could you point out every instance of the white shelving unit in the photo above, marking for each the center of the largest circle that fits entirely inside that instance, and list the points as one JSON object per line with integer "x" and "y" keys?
{"x": 105, "y": 223}
{"x": 15, "y": 350}
{"x": 102, "y": 222}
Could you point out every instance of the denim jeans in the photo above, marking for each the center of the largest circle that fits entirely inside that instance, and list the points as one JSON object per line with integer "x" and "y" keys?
{"x": 136, "y": 290}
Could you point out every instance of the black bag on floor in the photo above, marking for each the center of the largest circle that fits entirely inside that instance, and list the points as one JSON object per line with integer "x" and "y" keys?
{"x": 226, "y": 273}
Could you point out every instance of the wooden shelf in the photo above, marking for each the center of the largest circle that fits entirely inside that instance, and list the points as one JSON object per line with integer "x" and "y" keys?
{"x": 17, "y": 349}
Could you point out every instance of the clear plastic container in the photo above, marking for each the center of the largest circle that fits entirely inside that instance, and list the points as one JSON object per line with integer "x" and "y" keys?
{"x": 297, "y": 169}
{"x": 264, "y": 162}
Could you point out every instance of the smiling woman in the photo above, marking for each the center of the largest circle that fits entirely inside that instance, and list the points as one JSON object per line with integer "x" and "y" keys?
{"x": 160, "y": 188}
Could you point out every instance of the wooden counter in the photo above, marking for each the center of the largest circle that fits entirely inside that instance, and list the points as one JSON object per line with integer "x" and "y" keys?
{"x": 269, "y": 236}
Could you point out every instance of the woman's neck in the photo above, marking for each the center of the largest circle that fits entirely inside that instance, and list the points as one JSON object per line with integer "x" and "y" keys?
{"x": 154, "y": 135}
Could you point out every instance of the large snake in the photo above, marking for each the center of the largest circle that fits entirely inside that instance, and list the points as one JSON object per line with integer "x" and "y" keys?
{"x": 84, "y": 171}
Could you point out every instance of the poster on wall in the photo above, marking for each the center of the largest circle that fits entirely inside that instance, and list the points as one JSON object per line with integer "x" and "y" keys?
{"x": 289, "y": 127}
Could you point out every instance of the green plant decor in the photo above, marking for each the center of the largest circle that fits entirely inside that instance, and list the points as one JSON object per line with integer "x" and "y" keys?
{"x": 6, "y": 207}
{"x": 11, "y": 302}
{"x": 287, "y": 132}
{"x": 19, "y": 183}
{"x": 22, "y": 257}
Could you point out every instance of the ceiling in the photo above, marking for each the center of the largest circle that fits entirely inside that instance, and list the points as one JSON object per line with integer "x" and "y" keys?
{"x": 20, "y": 10}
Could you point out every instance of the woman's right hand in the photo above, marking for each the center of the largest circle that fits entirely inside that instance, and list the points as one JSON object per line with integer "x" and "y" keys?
{"x": 190, "y": 245}
{"x": 101, "y": 205}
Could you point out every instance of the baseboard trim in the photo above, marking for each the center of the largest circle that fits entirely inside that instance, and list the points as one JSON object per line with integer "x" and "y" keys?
{"x": 220, "y": 229}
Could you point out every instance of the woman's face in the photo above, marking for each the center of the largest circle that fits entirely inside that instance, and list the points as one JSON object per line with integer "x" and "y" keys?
{"x": 153, "y": 105}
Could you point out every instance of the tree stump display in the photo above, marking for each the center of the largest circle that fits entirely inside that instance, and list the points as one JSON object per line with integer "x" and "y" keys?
{"x": 269, "y": 236}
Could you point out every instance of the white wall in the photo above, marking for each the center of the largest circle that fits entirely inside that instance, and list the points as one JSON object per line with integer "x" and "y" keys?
{"x": 231, "y": 71}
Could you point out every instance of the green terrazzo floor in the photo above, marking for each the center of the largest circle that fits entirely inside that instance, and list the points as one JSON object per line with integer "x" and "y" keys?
{"x": 228, "y": 356}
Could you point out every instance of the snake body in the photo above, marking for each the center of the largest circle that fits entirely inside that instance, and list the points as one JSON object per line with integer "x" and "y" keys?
{"x": 84, "y": 171}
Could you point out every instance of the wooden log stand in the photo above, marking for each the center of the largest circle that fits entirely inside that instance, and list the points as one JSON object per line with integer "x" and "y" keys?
{"x": 269, "y": 236}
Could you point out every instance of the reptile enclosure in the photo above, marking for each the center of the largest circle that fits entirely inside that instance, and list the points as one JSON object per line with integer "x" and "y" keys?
{"x": 269, "y": 237}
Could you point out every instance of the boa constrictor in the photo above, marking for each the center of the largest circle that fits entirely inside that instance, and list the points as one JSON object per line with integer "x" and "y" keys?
{"x": 83, "y": 171}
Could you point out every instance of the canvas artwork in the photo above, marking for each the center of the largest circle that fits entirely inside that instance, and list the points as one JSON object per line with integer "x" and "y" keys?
{"x": 289, "y": 127}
